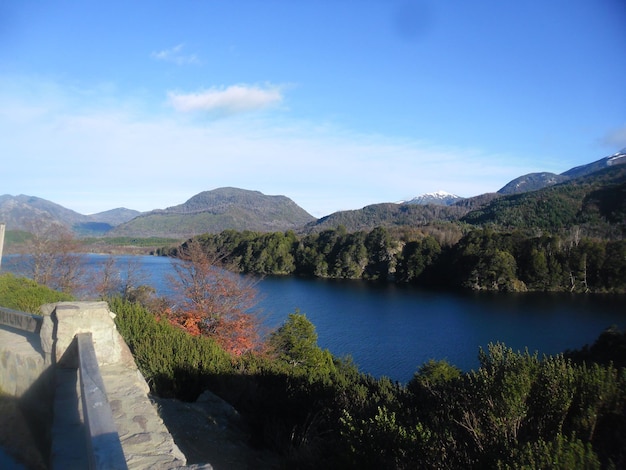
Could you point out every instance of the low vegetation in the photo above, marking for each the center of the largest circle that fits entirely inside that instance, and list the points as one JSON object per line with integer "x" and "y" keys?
{"x": 515, "y": 411}
{"x": 23, "y": 294}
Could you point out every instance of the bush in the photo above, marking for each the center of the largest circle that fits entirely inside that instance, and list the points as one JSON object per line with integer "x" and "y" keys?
{"x": 20, "y": 293}
{"x": 174, "y": 363}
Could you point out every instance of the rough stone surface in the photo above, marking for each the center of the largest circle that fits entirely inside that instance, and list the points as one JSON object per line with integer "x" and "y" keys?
{"x": 210, "y": 430}
{"x": 146, "y": 442}
{"x": 21, "y": 361}
{"x": 63, "y": 320}
{"x": 27, "y": 358}
{"x": 68, "y": 429}
{"x": 145, "y": 439}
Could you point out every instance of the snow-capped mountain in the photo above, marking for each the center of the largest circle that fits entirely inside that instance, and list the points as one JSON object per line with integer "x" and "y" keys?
{"x": 439, "y": 198}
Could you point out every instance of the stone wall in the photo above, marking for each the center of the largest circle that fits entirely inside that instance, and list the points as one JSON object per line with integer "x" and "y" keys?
{"x": 30, "y": 366}
{"x": 25, "y": 355}
{"x": 63, "y": 320}
{"x": 21, "y": 361}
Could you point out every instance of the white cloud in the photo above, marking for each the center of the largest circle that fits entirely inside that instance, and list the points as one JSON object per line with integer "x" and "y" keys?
{"x": 175, "y": 55}
{"x": 231, "y": 100}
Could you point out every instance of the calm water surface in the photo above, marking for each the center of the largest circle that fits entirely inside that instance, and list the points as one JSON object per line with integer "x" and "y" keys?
{"x": 391, "y": 330}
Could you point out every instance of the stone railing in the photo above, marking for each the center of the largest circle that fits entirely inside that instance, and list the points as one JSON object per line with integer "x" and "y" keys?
{"x": 104, "y": 450}
{"x": 74, "y": 373}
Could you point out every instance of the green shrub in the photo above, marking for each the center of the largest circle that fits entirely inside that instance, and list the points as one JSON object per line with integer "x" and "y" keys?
{"x": 562, "y": 453}
{"x": 20, "y": 293}
{"x": 174, "y": 363}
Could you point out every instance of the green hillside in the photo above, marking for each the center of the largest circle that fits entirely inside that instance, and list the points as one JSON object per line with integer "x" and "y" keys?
{"x": 596, "y": 202}
{"x": 387, "y": 215}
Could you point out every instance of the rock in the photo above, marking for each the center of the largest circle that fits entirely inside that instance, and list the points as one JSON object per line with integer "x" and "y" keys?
{"x": 211, "y": 430}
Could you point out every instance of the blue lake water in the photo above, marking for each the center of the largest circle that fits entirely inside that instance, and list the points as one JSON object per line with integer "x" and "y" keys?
{"x": 392, "y": 329}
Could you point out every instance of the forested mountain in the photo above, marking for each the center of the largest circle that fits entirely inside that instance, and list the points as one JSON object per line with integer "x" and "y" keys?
{"x": 217, "y": 210}
{"x": 596, "y": 202}
{"x": 531, "y": 182}
{"x": 387, "y": 215}
{"x": 535, "y": 181}
{"x": 618, "y": 158}
{"x": 115, "y": 217}
{"x": 566, "y": 237}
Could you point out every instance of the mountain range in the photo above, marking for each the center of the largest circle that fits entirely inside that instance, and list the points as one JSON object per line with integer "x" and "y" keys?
{"x": 28, "y": 213}
{"x": 239, "y": 209}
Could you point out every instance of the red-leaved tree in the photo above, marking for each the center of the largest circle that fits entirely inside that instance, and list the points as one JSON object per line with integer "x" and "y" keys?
{"x": 215, "y": 302}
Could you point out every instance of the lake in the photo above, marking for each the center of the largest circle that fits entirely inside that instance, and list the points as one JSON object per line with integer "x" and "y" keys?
{"x": 392, "y": 329}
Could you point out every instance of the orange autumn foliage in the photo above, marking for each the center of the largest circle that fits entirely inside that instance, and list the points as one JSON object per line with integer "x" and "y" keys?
{"x": 215, "y": 302}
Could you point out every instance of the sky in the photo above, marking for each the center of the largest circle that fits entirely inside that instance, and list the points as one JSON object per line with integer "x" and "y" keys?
{"x": 336, "y": 104}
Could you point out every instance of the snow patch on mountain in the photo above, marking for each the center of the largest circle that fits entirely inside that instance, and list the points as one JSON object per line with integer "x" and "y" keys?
{"x": 441, "y": 198}
{"x": 617, "y": 158}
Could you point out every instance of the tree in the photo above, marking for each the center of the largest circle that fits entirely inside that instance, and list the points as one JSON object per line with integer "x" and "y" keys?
{"x": 106, "y": 281}
{"x": 434, "y": 373}
{"x": 416, "y": 257}
{"x": 215, "y": 302}
{"x": 52, "y": 258}
{"x": 614, "y": 267}
{"x": 496, "y": 401}
{"x": 349, "y": 256}
{"x": 538, "y": 272}
{"x": 295, "y": 343}
{"x": 381, "y": 259}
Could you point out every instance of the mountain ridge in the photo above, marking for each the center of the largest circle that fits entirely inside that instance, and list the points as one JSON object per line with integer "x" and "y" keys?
{"x": 536, "y": 181}
{"x": 240, "y": 209}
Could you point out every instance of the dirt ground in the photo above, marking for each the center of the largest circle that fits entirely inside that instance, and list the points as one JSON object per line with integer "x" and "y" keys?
{"x": 211, "y": 431}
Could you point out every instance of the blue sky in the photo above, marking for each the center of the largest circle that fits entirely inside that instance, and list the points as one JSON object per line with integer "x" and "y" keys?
{"x": 336, "y": 104}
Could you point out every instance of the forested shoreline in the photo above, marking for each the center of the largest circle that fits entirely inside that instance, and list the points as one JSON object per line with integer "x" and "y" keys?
{"x": 441, "y": 256}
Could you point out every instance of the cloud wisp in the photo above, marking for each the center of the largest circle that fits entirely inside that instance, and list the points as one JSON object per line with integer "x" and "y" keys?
{"x": 175, "y": 55}
{"x": 234, "y": 99}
